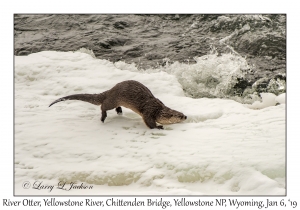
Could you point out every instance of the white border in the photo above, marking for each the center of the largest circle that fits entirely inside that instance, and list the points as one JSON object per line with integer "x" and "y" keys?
{"x": 153, "y": 6}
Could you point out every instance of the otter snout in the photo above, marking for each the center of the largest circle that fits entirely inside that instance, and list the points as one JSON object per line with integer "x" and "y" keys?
{"x": 183, "y": 117}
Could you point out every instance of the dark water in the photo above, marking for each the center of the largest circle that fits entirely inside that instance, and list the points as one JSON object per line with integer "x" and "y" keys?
{"x": 147, "y": 40}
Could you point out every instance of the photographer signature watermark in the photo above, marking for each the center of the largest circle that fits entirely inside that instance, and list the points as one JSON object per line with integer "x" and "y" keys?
{"x": 39, "y": 185}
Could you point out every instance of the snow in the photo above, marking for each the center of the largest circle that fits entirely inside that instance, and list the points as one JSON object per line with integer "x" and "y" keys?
{"x": 223, "y": 148}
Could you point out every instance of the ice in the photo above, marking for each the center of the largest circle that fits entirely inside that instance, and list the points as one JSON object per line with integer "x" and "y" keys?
{"x": 223, "y": 147}
{"x": 268, "y": 99}
{"x": 281, "y": 98}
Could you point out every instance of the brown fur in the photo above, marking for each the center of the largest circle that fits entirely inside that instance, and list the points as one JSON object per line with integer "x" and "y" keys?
{"x": 135, "y": 96}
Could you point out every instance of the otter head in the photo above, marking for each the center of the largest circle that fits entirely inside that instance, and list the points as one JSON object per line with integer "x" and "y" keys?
{"x": 170, "y": 116}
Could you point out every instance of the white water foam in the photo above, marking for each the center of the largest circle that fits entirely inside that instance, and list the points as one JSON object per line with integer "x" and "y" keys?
{"x": 212, "y": 76}
{"x": 222, "y": 148}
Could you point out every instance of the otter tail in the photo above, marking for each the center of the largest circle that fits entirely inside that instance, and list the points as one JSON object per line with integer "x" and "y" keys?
{"x": 95, "y": 99}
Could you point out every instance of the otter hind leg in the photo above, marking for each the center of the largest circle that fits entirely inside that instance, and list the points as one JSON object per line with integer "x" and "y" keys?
{"x": 106, "y": 105}
{"x": 119, "y": 110}
{"x": 103, "y": 116}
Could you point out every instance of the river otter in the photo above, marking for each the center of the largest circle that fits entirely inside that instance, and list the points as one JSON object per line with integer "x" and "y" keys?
{"x": 135, "y": 96}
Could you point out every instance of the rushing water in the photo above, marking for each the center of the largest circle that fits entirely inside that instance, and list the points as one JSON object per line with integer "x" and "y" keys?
{"x": 223, "y": 56}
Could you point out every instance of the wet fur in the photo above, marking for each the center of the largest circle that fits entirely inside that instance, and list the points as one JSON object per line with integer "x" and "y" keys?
{"x": 135, "y": 96}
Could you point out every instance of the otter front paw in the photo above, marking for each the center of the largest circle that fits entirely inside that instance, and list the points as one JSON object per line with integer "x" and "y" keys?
{"x": 160, "y": 127}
